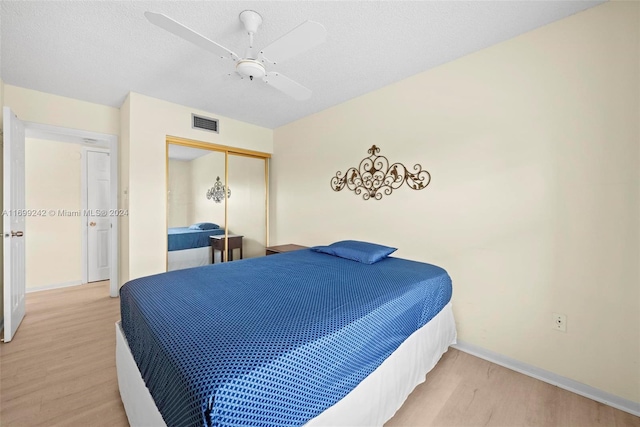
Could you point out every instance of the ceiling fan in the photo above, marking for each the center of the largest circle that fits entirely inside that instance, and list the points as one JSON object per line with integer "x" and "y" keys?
{"x": 305, "y": 36}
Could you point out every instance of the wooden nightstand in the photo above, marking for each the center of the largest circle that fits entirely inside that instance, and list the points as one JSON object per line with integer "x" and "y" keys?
{"x": 272, "y": 250}
{"x": 217, "y": 243}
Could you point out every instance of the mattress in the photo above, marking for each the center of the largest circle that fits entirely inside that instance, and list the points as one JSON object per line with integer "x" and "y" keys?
{"x": 272, "y": 340}
{"x": 372, "y": 403}
{"x": 180, "y": 238}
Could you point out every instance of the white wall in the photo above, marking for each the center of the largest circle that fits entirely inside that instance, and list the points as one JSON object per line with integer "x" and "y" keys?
{"x": 150, "y": 122}
{"x": 53, "y": 242}
{"x": 534, "y": 206}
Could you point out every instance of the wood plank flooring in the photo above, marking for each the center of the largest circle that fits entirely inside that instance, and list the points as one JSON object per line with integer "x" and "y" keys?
{"x": 60, "y": 371}
{"x": 463, "y": 390}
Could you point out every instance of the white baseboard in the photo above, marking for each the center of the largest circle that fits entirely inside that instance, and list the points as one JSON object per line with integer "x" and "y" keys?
{"x": 551, "y": 378}
{"x": 54, "y": 286}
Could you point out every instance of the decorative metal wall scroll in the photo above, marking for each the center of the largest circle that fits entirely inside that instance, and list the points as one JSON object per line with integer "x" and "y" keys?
{"x": 374, "y": 177}
{"x": 217, "y": 192}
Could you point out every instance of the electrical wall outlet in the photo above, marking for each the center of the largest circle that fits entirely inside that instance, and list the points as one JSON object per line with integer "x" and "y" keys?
{"x": 560, "y": 322}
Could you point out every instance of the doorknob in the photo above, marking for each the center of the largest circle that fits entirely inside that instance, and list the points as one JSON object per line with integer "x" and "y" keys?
{"x": 92, "y": 224}
{"x": 17, "y": 234}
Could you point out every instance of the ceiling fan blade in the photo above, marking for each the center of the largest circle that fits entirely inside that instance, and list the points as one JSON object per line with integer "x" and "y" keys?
{"x": 302, "y": 38}
{"x": 235, "y": 76}
{"x": 188, "y": 34}
{"x": 287, "y": 86}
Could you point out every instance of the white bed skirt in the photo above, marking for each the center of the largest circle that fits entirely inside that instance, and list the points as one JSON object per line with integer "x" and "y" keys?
{"x": 187, "y": 258}
{"x": 373, "y": 402}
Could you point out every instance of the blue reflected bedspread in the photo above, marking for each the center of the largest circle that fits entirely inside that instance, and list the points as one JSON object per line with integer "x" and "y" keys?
{"x": 273, "y": 340}
{"x": 184, "y": 238}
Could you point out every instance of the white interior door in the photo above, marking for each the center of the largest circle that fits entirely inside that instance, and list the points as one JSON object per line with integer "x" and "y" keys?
{"x": 13, "y": 223}
{"x": 98, "y": 218}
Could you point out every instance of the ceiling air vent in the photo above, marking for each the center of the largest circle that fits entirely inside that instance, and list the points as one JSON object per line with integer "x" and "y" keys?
{"x": 204, "y": 123}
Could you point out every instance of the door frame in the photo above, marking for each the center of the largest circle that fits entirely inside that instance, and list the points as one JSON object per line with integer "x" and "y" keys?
{"x": 84, "y": 188}
{"x": 98, "y": 141}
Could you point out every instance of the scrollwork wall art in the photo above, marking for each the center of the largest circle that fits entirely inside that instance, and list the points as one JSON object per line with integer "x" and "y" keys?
{"x": 374, "y": 178}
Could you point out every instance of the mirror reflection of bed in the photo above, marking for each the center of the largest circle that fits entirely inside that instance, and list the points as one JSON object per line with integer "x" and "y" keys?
{"x": 196, "y": 205}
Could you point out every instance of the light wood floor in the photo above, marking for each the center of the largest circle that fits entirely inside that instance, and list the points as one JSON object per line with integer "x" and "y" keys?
{"x": 60, "y": 371}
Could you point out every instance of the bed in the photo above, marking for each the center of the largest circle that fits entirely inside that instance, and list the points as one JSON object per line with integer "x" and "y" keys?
{"x": 291, "y": 339}
{"x": 189, "y": 246}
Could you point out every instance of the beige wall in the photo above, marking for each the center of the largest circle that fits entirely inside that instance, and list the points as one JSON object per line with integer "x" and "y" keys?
{"x": 202, "y": 176}
{"x": 142, "y": 124}
{"x": 2, "y": 208}
{"x": 533, "y": 145}
{"x": 179, "y": 193}
{"x": 123, "y": 191}
{"x": 188, "y": 185}
{"x": 1, "y": 100}
{"x": 39, "y": 107}
{"x": 150, "y": 121}
{"x": 188, "y": 204}
{"x": 247, "y": 208}
{"x": 53, "y": 242}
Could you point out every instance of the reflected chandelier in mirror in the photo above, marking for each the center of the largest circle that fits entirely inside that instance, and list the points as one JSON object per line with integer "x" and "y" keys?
{"x": 374, "y": 177}
{"x": 217, "y": 191}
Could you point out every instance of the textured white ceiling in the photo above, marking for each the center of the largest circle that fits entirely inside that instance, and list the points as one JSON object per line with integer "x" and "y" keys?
{"x": 98, "y": 51}
{"x": 181, "y": 152}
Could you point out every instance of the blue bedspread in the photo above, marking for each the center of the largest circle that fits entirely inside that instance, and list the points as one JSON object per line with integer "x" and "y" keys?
{"x": 184, "y": 238}
{"x": 273, "y": 340}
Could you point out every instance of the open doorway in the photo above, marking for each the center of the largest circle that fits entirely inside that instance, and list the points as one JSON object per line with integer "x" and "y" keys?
{"x": 71, "y": 196}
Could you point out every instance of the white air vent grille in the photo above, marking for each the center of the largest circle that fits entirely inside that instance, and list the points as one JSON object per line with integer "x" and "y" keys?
{"x": 204, "y": 123}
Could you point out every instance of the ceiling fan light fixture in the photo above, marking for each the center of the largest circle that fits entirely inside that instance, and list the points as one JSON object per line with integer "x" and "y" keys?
{"x": 250, "y": 68}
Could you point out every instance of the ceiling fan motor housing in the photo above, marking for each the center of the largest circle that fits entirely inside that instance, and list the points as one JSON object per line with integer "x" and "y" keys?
{"x": 250, "y": 68}
{"x": 251, "y": 20}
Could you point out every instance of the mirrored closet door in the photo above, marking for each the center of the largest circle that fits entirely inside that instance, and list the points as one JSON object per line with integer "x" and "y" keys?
{"x": 216, "y": 204}
{"x": 247, "y": 204}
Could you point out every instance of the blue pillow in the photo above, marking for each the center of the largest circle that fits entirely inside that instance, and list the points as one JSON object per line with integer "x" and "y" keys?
{"x": 204, "y": 226}
{"x": 364, "y": 252}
